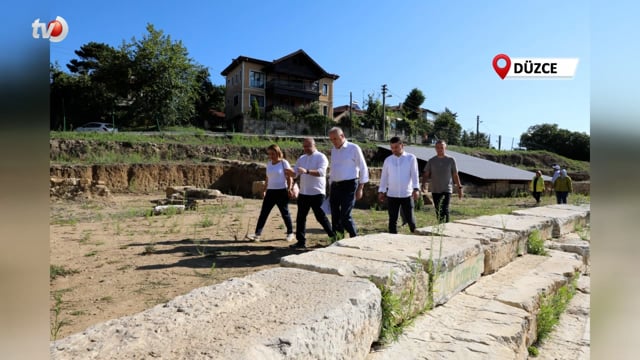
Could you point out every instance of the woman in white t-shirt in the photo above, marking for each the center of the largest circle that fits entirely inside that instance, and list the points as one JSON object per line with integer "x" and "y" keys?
{"x": 276, "y": 193}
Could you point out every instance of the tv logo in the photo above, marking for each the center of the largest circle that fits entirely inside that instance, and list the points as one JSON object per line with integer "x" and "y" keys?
{"x": 56, "y": 30}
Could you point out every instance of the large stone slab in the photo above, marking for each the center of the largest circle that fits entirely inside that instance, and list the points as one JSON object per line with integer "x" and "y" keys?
{"x": 500, "y": 247}
{"x": 572, "y": 243}
{"x": 523, "y": 225}
{"x": 522, "y": 283}
{"x": 582, "y": 207}
{"x": 565, "y": 220}
{"x": 495, "y": 318}
{"x": 466, "y": 327}
{"x": 273, "y": 314}
{"x": 404, "y": 263}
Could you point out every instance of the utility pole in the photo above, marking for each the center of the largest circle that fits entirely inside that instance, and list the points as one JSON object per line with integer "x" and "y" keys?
{"x": 350, "y": 115}
{"x": 499, "y": 141}
{"x": 478, "y": 131}
{"x": 384, "y": 120}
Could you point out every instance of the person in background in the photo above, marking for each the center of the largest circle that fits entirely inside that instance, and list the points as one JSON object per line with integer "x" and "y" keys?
{"x": 556, "y": 173}
{"x": 442, "y": 171}
{"x": 348, "y": 175}
{"x": 562, "y": 186}
{"x": 311, "y": 168}
{"x": 537, "y": 186}
{"x": 276, "y": 193}
{"x": 399, "y": 184}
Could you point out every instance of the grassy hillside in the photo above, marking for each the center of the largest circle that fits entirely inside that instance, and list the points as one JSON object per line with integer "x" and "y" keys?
{"x": 524, "y": 159}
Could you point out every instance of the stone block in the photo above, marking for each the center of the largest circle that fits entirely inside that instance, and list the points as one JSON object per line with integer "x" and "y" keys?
{"x": 273, "y": 314}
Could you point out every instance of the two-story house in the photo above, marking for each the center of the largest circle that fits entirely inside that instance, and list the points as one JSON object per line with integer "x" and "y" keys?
{"x": 291, "y": 81}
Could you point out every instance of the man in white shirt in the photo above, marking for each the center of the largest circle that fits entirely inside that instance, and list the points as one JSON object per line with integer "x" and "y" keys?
{"x": 311, "y": 168}
{"x": 399, "y": 184}
{"x": 349, "y": 173}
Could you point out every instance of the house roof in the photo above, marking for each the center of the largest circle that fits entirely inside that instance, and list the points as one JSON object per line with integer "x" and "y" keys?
{"x": 270, "y": 64}
{"x": 301, "y": 52}
{"x": 471, "y": 165}
{"x": 240, "y": 59}
{"x": 344, "y": 108}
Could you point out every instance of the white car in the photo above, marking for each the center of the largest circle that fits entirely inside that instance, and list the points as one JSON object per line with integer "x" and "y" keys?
{"x": 97, "y": 127}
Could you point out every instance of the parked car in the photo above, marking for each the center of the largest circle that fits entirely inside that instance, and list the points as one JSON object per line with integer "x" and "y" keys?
{"x": 97, "y": 127}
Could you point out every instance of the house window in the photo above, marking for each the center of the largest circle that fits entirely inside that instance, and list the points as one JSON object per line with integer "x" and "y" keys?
{"x": 325, "y": 110}
{"x": 235, "y": 100}
{"x": 256, "y": 79}
{"x": 325, "y": 89}
{"x": 259, "y": 98}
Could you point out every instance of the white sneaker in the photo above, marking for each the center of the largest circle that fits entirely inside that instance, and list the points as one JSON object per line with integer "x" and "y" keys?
{"x": 291, "y": 237}
{"x": 254, "y": 237}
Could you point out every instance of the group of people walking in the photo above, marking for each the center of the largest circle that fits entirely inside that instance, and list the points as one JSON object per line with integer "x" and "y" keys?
{"x": 560, "y": 183}
{"x": 399, "y": 186}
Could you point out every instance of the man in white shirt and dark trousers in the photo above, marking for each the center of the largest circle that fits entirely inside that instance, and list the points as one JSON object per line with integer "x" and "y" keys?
{"x": 348, "y": 175}
{"x": 399, "y": 184}
{"x": 311, "y": 168}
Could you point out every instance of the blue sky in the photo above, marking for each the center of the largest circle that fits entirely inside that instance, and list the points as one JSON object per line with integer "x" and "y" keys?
{"x": 443, "y": 48}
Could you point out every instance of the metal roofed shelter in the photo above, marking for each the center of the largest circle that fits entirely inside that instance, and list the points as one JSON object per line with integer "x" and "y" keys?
{"x": 479, "y": 176}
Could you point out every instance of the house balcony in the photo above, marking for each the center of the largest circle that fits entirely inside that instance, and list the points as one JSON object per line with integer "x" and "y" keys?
{"x": 301, "y": 89}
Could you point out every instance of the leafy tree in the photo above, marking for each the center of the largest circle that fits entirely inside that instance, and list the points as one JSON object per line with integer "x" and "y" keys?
{"x": 164, "y": 80}
{"x": 93, "y": 57}
{"x": 75, "y": 100}
{"x": 317, "y": 122}
{"x": 373, "y": 113}
{"x": 146, "y": 82}
{"x": 210, "y": 97}
{"x": 446, "y": 127}
{"x": 412, "y": 105}
{"x": 108, "y": 72}
{"x": 471, "y": 140}
{"x": 574, "y": 145}
{"x": 255, "y": 110}
{"x": 281, "y": 114}
{"x": 347, "y": 123}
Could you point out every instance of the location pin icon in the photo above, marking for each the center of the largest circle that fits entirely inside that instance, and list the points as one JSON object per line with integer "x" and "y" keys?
{"x": 501, "y": 71}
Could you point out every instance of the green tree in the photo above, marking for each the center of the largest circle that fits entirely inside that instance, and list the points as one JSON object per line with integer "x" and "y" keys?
{"x": 210, "y": 97}
{"x": 471, "y": 140}
{"x": 108, "y": 73}
{"x": 373, "y": 113}
{"x": 347, "y": 123}
{"x": 412, "y": 105}
{"x": 550, "y": 137}
{"x": 281, "y": 114}
{"x": 255, "y": 110}
{"x": 75, "y": 100}
{"x": 446, "y": 127}
{"x": 164, "y": 80}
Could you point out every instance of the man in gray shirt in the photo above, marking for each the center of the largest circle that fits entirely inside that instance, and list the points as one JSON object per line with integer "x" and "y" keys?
{"x": 442, "y": 169}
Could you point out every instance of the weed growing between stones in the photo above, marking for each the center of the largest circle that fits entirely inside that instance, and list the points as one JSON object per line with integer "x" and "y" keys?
{"x": 392, "y": 327}
{"x": 582, "y": 231}
{"x": 551, "y": 307}
{"x": 399, "y": 311}
{"x": 535, "y": 244}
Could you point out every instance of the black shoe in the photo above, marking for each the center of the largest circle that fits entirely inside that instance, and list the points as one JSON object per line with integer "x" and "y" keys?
{"x": 298, "y": 246}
